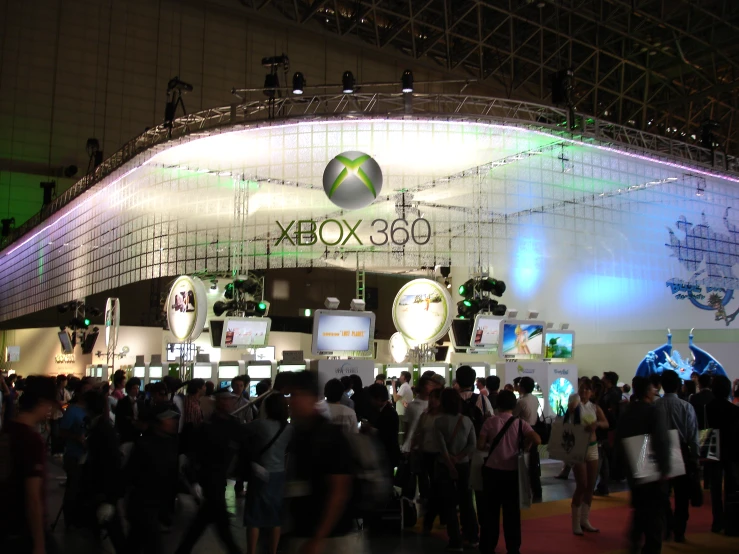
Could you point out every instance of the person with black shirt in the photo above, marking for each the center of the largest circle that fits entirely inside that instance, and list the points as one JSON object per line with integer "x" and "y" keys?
{"x": 360, "y": 398}
{"x": 702, "y": 399}
{"x": 127, "y": 413}
{"x": 492, "y": 384}
{"x": 610, "y": 403}
{"x": 23, "y": 516}
{"x": 386, "y": 421}
{"x": 642, "y": 417}
{"x": 319, "y": 477}
{"x": 721, "y": 414}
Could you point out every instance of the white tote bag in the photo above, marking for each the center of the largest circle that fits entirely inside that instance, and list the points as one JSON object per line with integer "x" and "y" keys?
{"x": 568, "y": 442}
{"x": 642, "y": 462}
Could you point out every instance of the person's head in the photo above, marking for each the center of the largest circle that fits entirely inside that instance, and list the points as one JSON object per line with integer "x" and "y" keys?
{"x": 480, "y": 383}
{"x": 333, "y": 390}
{"x": 159, "y": 393}
{"x": 425, "y": 386}
{"x": 356, "y": 382}
{"x": 405, "y": 377}
{"x": 585, "y": 390}
{"x": 492, "y": 383}
{"x": 656, "y": 381}
{"x": 61, "y": 381}
{"x": 378, "y": 396}
{"x": 83, "y": 386}
{"x": 238, "y": 385}
{"x": 210, "y": 386}
{"x": 276, "y": 408}
{"x": 282, "y": 382}
{"x": 627, "y": 388}
{"x": 435, "y": 400}
{"x": 670, "y": 381}
{"x": 263, "y": 386}
{"x": 643, "y": 388}
{"x": 451, "y": 402}
{"x": 695, "y": 377}
{"x": 96, "y": 404}
{"x": 506, "y": 401}
{"x": 721, "y": 387}
{"x": 225, "y": 401}
{"x": 10, "y": 379}
{"x": 526, "y": 385}
{"x": 346, "y": 381}
{"x": 428, "y": 374}
{"x": 119, "y": 381}
{"x": 39, "y": 394}
{"x": 610, "y": 379}
{"x": 173, "y": 383}
{"x": 380, "y": 379}
{"x": 704, "y": 381}
{"x": 133, "y": 386}
{"x": 304, "y": 394}
{"x": 164, "y": 420}
{"x": 508, "y": 387}
{"x": 195, "y": 388}
{"x": 516, "y": 384}
{"x": 688, "y": 389}
{"x": 465, "y": 377}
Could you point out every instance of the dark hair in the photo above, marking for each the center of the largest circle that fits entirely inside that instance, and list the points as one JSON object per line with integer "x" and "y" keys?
{"x": 60, "y": 379}
{"x": 689, "y": 387}
{"x": 133, "y": 382}
{"x": 347, "y": 382}
{"x": 94, "y": 403}
{"x": 118, "y": 379}
{"x": 381, "y": 376}
{"x": 451, "y": 402}
{"x": 585, "y": 383}
{"x": 246, "y": 379}
{"x": 517, "y": 380}
{"x": 721, "y": 387}
{"x": 465, "y": 376}
{"x": 356, "y": 382}
{"x": 627, "y": 388}
{"x": 263, "y": 386}
{"x": 670, "y": 381}
{"x": 210, "y": 386}
{"x": 407, "y": 376}
{"x": 506, "y": 401}
{"x": 436, "y": 393}
{"x": 492, "y": 383}
{"x": 527, "y": 385}
{"x": 159, "y": 388}
{"x": 283, "y": 380}
{"x": 640, "y": 386}
{"x": 173, "y": 383}
{"x": 194, "y": 386}
{"x": 377, "y": 391}
{"x": 118, "y": 373}
{"x": 275, "y": 406}
{"x": 656, "y": 380}
{"x": 428, "y": 374}
{"x": 36, "y": 390}
{"x": 238, "y": 379}
{"x": 304, "y": 381}
{"x": 612, "y": 377}
{"x": 704, "y": 380}
{"x": 333, "y": 391}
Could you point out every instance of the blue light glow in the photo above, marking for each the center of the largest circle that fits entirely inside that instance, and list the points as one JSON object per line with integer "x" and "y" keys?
{"x": 527, "y": 266}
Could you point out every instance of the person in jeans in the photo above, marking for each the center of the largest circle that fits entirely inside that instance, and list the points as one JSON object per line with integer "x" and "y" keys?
{"x": 500, "y": 474}
{"x": 457, "y": 442}
{"x": 268, "y": 439}
{"x": 527, "y": 408}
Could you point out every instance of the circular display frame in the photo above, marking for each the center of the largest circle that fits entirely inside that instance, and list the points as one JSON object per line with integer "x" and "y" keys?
{"x": 187, "y": 308}
{"x": 422, "y": 311}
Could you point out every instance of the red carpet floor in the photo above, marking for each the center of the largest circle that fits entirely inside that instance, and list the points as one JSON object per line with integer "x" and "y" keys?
{"x": 547, "y": 530}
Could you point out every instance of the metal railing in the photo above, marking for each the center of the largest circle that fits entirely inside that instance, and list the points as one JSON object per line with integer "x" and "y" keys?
{"x": 390, "y": 105}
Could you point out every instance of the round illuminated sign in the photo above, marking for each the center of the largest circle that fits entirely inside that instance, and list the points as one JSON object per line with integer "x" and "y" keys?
{"x": 187, "y": 306}
{"x": 398, "y": 348}
{"x": 352, "y": 180}
{"x": 421, "y": 311}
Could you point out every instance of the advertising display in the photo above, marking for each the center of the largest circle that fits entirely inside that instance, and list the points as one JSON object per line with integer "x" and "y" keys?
{"x": 215, "y": 327}
{"x": 486, "y": 331}
{"x": 244, "y": 332}
{"x": 460, "y": 333}
{"x": 347, "y": 333}
{"x": 559, "y": 345}
{"x": 66, "y": 342}
{"x": 521, "y": 338}
{"x": 336, "y": 369}
{"x": 421, "y": 311}
{"x": 12, "y": 353}
{"x": 187, "y": 306}
{"x": 112, "y": 322}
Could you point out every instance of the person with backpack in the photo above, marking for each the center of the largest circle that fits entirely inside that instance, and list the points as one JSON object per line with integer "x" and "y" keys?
{"x": 501, "y": 440}
{"x": 457, "y": 442}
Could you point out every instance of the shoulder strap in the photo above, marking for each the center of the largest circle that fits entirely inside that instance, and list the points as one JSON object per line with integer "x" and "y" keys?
{"x": 499, "y": 436}
{"x": 456, "y": 429}
{"x": 274, "y": 439}
{"x": 520, "y": 436}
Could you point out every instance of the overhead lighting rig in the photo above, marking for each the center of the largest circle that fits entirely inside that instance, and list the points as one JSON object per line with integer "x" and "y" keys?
{"x": 477, "y": 294}
{"x": 78, "y": 326}
{"x": 244, "y": 296}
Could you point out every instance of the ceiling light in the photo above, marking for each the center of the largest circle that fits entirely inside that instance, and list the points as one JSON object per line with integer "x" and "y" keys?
{"x": 347, "y": 82}
{"x": 298, "y": 83}
{"x": 407, "y": 81}
{"x": 332, "y": 303}
{"x": 357, "y": 305}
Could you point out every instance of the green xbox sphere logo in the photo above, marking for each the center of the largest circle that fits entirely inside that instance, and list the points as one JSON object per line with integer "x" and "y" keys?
{"x": 352, "y": 180}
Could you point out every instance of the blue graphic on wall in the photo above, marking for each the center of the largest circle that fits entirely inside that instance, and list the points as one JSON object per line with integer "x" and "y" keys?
{"x": 711, "y": 255}
{"x": 662, "y": 358}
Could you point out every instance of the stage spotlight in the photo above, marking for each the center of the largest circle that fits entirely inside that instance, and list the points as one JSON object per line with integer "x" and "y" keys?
{"x": 229, "y": 292}
{"x": 468, "y": 308}
{"x": 220, "y": 307}
{"x": 63, "y": 308}
{"x": 332, "y": 303}
{"x": 347, "y": 82}
{"x": 176, "y": 84}
{"x": 271, "y": 82}
{"x": 94, "y": 312}
{"x": 247, "y": 286}
{"x": 447, "y": 283}
{"x": 298, "y": 83}
{"x": 49, "y": 190}
{"x": 497, "y": 288}
{"x": 445, "y": 271}
{"x": 467, "y": 289}
{"x": 262, "y": 308}
{"x": 499, "y": 310}
{"x": 357, "y": 305}
{"x": 6, "y": 226}
{"x": 213, "y": 284}
{"x": 407, "y": 81}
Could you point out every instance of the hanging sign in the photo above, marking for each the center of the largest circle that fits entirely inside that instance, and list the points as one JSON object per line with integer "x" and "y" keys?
{"x": 421, "y": 311}
{"x": 112, "y": 322}
{"x": 187, "y": 307}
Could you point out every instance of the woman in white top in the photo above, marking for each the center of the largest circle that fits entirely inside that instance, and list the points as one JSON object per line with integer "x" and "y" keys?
{"x": 582, "y": 411}
{"x": 339, "y": 414}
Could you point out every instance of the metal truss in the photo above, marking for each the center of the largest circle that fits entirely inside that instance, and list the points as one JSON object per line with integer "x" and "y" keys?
{"x": 663, "y": 66}
{"x": 445, "y": 107}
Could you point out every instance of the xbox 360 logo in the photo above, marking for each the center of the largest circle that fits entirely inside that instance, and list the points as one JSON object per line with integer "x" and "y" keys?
{"x": 352, "y": 180}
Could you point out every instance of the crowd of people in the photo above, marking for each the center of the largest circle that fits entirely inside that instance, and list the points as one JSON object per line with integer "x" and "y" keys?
{"x": 295, "y": 454}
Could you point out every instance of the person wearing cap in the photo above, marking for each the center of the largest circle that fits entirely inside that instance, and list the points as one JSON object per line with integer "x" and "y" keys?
{"x": 217, "y": 444}
{"x": 150, "y": 471}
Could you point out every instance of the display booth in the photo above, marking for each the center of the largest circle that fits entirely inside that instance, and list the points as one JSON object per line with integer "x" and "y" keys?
{"x": 482, "y": 369}
{"x": 156, "y": 371}
{"x": 554, "y": 382}
{"x": 139, "y": 370}
{"x": 283, "y": 365}
{"x": 258, "y": 370}
{"x": 393, "y": 371}
{"x": 439, "y": 368}
{"x": 226, "y": 372}
{"x": 336, "y": 369}
{"x": 203, "y": 368}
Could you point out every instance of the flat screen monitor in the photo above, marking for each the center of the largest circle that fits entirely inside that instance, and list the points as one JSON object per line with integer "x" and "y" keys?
{"x": 259, "y": 371}
{"x": 224, "y": 384}
{"x": 139, "y": 372}
{"x": 460, "y": 333}
{"x": 155, "y": 371}
{"x": 216, "y": 332}
{"x": 292, "y": 367}
{"x": 66, "y": 342}
{"x": 559, "y": 345}
{"x": 393, "y": 371}
{"x": 343, "y": 333}
{"x": 228, "y": 371}
{"x": 441, "y": 352}
{"x": 480, "y": 370}
{"x": 485, "y": 331}
{"x": 265, "y": 353}
{"x": 99, "y": 372}
{"x": 202, "y": 371}
{"x": 521, "y": 338}
{"x": 174, "y": 352}
{"x": 12, "y": 353}
{"x": 245, "y": 332}
{"x": 152, "y": 381}
{"x": 88, "y": 344}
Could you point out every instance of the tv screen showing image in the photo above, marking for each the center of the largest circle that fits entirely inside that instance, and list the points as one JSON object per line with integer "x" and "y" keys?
{"x": 486, "y": 331}
{"x": 460, "y": 333}
{"x": 337, "y": 332}
{"x": 521, "y": 338}
{"x": 245, "y": 332}
{"x": 66, "y": 342}
{"x": 559, "y": 346}
{"x": 216, "y": 333}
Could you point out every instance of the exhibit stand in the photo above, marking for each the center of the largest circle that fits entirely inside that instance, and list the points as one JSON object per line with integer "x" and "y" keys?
{"x": 336, "y": 369}
{"x": 393, "y": 371}
{"x": 258, "y": 370}
{"x": 155, "y": 369}
{"x": 482, "y": 369}
{"x": 439, "y": 368}
{"x": 554, "y": 381}
{"x": 226, "y": 372}
{"x": 139, "y": 370}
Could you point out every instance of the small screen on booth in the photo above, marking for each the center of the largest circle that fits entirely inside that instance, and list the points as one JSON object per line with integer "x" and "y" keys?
{"x": 559, "y": 345}
{"x": 245, "y": 332}
{"x": 486, "y": 331}
{"x": 520, "y": 338}
{"x": 343, "y": 333}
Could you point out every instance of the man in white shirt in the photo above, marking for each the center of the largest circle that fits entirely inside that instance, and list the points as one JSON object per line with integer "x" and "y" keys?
{"x": 527, "y": 408}
{"x": 402, "y": 397}
{"x": 415, "y": 410}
